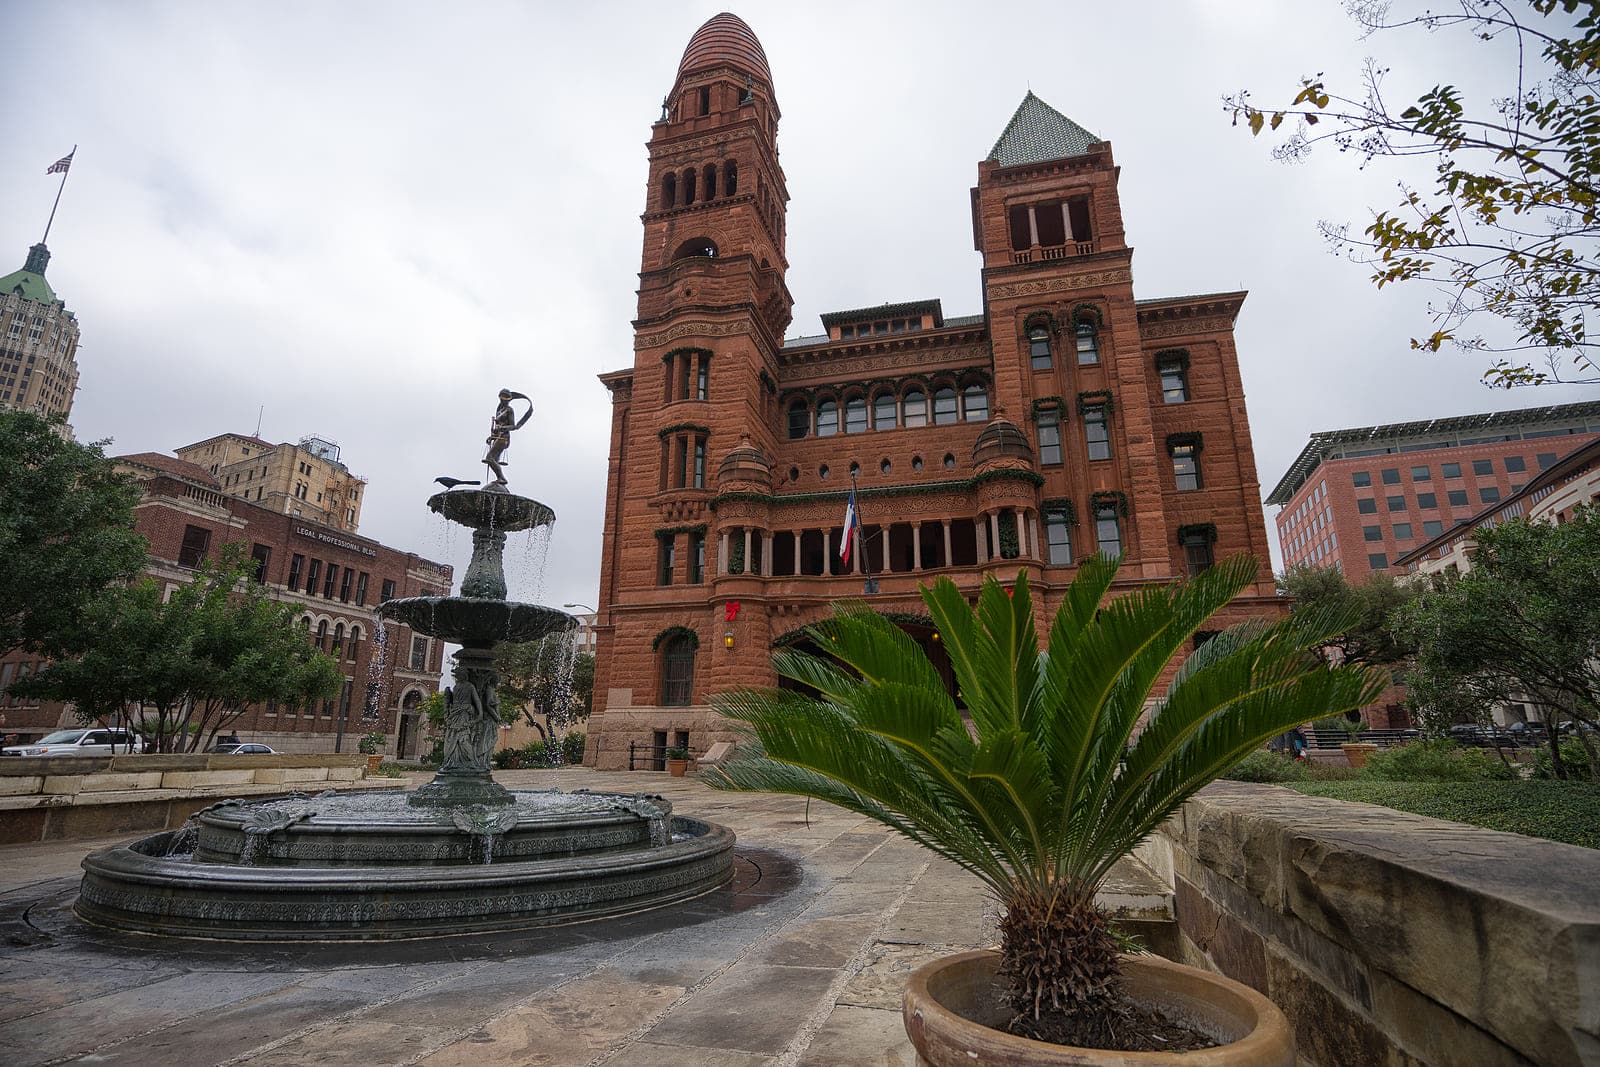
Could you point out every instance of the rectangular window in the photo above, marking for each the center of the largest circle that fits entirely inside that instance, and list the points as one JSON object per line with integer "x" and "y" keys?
{"x": 313, "y": 575}
{"x": 1516, "y": 465}
{"x": 1087, "y": 344}
{"x": 419, "y": 653}
{"x": 196, "y": 540}
{"x": 1402, "y": 531}
{"x": 699, "y": 462}
{"x": 1360, "y": 479}
{"x": 680, "y": 468}
{"x": 297, "y": 564}
{"x": 1186, "y": 467}
{"x": 1367, "y": 506}
{"x": 1427, "y": 501}
{"x": 1197, "y": 553}
{"x": 697, "y": 558}
{"x": 1422, "y": 474}
{"x": 1458, "y": 498}
{"x": 1174, "y": 383}
{"x": 262, "y": 554}
{"x": 1391, "y": 476}
{"x": 1451, "y": 470}
{"x": 1489, "y": 495}
{"x": 665, "y": 562}
{"x": 330, "y": 580}
{"x": 1039, "y": 348}
{"x": 1482, "y": 466}
{"x": 702, "y": 381}
{"x": 1108, "y": 530}
{"x": 1049, "y": 436}
{"x": 1396, "y": 503}
{"x": 1372, "y": 533}
{"x": 1095, "y": 432}
{"x": 344, "y": 585}
{"x": 1546, "y": 459}
{"x": 361, "y": 589}
{"x": 1377, "y": 561}
{"x": 1058, "y": 536}
{"x": 1432, "y": 528}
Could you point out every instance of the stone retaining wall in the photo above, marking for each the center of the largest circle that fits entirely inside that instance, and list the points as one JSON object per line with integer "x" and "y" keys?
{"x": 1390, "y": 938}
{"x": 44, "y": 799}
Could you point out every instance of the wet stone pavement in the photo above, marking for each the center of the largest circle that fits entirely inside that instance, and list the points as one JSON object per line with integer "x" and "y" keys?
{"x": 800, "y": 961}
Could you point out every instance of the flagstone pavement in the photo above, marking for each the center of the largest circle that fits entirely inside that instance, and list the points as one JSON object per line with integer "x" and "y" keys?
{"x": 801, "y": 962}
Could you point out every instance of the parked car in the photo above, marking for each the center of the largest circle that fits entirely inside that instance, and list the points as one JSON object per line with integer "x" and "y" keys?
{"x": 236, "y": 749}
{"x": 81, "y": 742}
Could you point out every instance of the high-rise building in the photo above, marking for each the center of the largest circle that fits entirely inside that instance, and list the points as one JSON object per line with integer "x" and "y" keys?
{"x": 1358, "y": 499}
{"x": 307, "y": 480}
{"x": 1067, "y": 419}
{"x": 38, "y": 341}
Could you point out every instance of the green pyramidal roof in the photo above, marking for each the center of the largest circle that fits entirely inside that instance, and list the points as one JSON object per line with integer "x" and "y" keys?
{"x": 1038, "y": 132}
{"x": 29, "y": 281}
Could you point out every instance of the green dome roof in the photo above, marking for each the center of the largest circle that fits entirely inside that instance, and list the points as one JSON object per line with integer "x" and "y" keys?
{"x": 29, "y": 281}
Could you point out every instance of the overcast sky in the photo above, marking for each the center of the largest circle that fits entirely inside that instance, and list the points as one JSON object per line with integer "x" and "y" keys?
{"x": 366, "y": 218}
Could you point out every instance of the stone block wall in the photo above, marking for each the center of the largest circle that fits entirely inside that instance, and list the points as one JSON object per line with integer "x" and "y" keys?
{"x": 1390, "y": 939}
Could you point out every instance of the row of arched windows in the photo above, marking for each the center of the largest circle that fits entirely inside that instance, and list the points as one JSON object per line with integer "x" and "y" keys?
{"x": 1085, "y": 342}
{"x": 340, "y": 648}
{"x": 887, "y": 410}
{"x": 696, "y": 186}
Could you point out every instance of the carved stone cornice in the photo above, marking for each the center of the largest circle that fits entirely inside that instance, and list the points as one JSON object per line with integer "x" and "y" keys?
{"x": 1061, "y": 283}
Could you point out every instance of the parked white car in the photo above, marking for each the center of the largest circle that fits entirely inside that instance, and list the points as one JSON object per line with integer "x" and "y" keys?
{"x": 90, "y": 742}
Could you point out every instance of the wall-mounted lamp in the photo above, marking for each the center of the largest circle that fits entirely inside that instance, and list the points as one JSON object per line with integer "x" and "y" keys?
{"x": 727, "y": 639}
{"x": 936, "y": 637}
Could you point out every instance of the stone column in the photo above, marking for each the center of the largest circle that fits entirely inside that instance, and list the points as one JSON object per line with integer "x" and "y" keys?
{"x": 1022, "y": 532}
{"x": 980, "y": 529}
{"x": 722, "y": 553}
{"x": 946, "y": 524}
{"x": 1066, "y": 222}
{"x": 749, "y": 560}
{"x": 766, "y": 553}
{"x": 798, "y": 534}
{"x": 827, "y": 550}
{"x": 994, "y": 535}
{"x": 1033, "y": 530}
{"x": 1033, "y": 226}
{"x": 916, "y": 546}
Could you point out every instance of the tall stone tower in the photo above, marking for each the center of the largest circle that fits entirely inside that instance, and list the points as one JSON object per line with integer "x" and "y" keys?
{"x": 38, "y": 341}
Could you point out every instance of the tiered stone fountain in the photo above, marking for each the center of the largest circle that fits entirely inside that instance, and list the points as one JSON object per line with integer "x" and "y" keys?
{"x": 460, "y": 855}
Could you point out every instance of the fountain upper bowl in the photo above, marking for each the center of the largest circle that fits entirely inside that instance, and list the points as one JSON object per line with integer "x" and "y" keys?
{"x": 476, "y": 623}
{"x": 485, "y": 509}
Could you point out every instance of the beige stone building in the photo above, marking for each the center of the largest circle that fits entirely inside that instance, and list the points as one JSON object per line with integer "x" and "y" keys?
{"x": 38, "y": 341}
{"x": 307, "y": 480}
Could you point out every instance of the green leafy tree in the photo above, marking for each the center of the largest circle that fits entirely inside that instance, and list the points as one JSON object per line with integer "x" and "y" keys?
{"x": 186, "y": 667}
{"x": 1510, "y": 224}
{"x": 66, "y": 532}
{"x": 545, "y": 682}
{"x": 1371, "y": 602}
{"x": 1519, "y": 627}
{"x": 1054, "y": 780}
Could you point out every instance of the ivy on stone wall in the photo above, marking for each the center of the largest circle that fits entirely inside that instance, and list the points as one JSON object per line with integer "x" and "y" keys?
{"x": 673, "y": 531}
{"x": 954, "y": 485}
{"x": 1180, "y": 440}
{"x": 1172, "y": 357}
{"x": 1061, "y": 504}
{"x": 1087, "y": 311}
{"x": 675, "y": 631}
{"x": 1009, "y": 549}
{"x": 1206, "y": 530}
{"x": 680, "y": 427}
{"x": 1110, "y": 497}
{"x": 736, "y": 556}
{"x": 1097, "y": 398}
{"x": 1044, "y": 402}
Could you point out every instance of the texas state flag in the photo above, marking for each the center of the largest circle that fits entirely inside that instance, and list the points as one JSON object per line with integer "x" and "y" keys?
{"x": 848, "y": 542}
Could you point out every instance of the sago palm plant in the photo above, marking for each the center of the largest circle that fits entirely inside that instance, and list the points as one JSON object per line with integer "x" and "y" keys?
{"x": 1052, "y": 780}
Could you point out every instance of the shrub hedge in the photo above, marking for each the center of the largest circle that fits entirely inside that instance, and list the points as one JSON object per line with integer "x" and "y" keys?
{"x": 1556, "y": 811}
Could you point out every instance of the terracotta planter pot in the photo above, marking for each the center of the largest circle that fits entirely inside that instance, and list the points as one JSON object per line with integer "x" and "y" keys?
{"x": 952, "y": 1004}
{"x": 1356, "y": 753}
{"x": 373, "y": 761}
{"x": 677, "y": 767}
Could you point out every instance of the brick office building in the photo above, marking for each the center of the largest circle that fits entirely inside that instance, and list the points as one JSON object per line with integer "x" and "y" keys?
{"x": 336, "y": 578}
{"x": 1068, "y": 418}
{"x": 1358, "y": 499}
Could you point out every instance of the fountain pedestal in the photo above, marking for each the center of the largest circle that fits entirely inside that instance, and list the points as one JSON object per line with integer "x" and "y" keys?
{"x": 471, "y": 728}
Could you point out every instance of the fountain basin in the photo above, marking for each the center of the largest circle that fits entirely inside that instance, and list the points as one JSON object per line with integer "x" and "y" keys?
{"x": 474, "y": 622}
{"x": 488, "y": 509}
{"x": 139, "y": 887}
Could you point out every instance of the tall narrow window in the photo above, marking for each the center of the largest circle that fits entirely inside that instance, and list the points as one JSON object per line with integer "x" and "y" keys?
{"x": 313, "y": 576}
{"x": 855, "y": 415}
{"x": 1186, "y": 466}
{"x": 1108, "y": 530}
{"x": 884, "y": 412}
{"x": 196, "y": 541}
{"x": 914, "y": 408}
{"x": 975, "y": 403}
{"x": 386, "y": 592}
{"x": 297, "y": 563}
{"x": 327, "y": 583}
{"x": 1096, "y": 434}
{"x": 1197, "y": 554}
{"x": 710, "y": 190}
{"x": 697, "y": 558}
{"x": 1039, "y": 348}
{"x": 666, "y": 561}
{"x": 702, "y": 380}
{"x": 688, "y": 186}
{"x": 262, "y": 555}
{"x": 322, "y": 636}
{"x": 361, "y": 589}
{"x": 827, "y": 418}
{"x": 669, "y": 192}
{"x": 699, "y": 462}
{"x": 1087, "y": 341}
{"x": 1174, "y": 382}
{"x": 345, "y": 583}
{"x": 1049, "y": 436}
{"x": 799, "y": 420}
{"x": 705, "y": 100}
{"x": 1058, "y": 536}
{"x": 419, "y": 653}
{"x": 677, "y": 671}
{"x": 944, "y": 405}
{"x": 730, "y": 178}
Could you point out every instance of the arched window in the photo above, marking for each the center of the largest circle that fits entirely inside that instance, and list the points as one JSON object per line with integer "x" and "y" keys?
{"x": 354, "y": 644}
{"x": 884, "y": 413}
{"x": 975, "y": 403}
{"x": 322, "y": 636}
{"x": 710, "y": 191}
{"x": 1088, "y": 343}
{"x": 914, "y": 408}
{"x": 944, "y": 405}
{"x": 669, "y": 191}
{"x": 338, "y": 640}
{"x": 1039, "y": 348}
{"x": 696, "y": 246}
{"x": 799, "y": 420}
{"x": 688, "y": 186}
{"x": 677, "y": 671}
{"x": 827, "y": 418}
{"x": 730, "y": 178}
{"x": 855, "y": 414}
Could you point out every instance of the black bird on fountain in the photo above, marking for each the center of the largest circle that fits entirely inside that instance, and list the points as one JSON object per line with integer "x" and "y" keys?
{"x": 451, "y": 483}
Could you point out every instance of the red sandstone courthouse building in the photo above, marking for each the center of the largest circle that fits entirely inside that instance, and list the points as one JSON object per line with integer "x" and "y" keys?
{"x": 335, "y": 576}
{"x": 1068, "y": 419}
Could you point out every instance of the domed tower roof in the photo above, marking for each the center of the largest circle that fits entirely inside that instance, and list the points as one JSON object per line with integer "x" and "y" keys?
{"x": 745, "y": 463}
{"x": 725, "y": 39}
{"x": 1001, "y": 438}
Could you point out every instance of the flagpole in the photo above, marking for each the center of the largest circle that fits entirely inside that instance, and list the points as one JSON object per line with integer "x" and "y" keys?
{"x": 64, "y": 172}
{"x": 869, "y": 585}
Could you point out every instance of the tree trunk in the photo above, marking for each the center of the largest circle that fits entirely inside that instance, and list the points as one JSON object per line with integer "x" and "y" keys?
{"x": 1063, "y": 963}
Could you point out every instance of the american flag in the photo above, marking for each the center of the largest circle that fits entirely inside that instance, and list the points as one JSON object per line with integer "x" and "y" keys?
{"x": 60, "y": 166}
